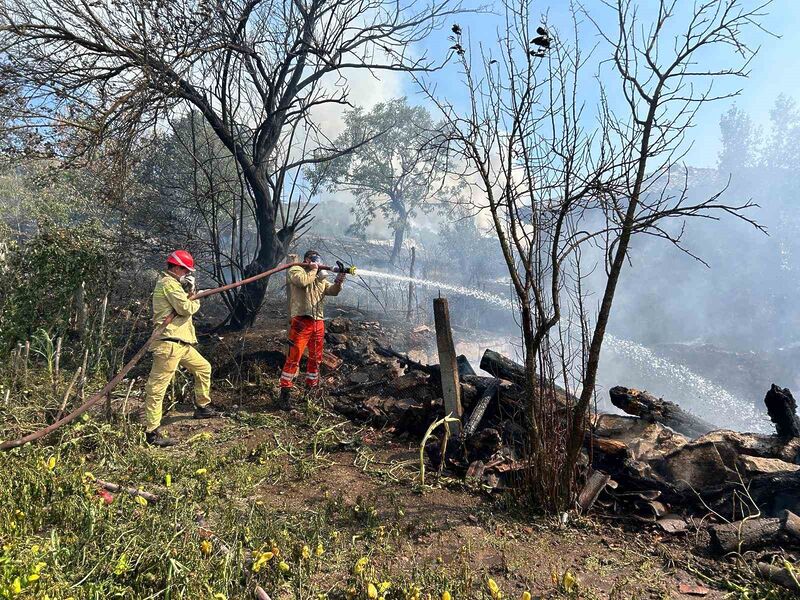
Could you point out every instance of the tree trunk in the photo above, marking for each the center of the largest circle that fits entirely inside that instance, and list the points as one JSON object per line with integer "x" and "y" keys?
{"x": 399, "y": 234}
{"x": 273, "y": 247}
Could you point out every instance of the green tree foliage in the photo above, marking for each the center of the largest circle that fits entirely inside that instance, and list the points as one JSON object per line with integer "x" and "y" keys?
{"x": 397, "y": 175}
{"x": 39, "y": 277}
{"x": 739, "y": 141}
{"x": 783, "y": 148}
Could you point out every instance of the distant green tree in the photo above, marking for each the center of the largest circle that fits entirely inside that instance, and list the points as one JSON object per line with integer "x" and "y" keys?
{"x": 739, "y": 141}
{"x": 782, "y": 150}
{"x": 397, "y": 175}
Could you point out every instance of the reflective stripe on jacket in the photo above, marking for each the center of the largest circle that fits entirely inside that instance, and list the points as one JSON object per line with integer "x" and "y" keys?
{"x": 169, "y": 296}
{"x": 307, "y": 290}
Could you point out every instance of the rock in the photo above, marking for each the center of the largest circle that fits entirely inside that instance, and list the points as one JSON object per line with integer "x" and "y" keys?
{"x": 754, "y": 465}
{"x": 697, "y": 466}
{"x": 754, "y": 444}
{"x": 645, "y": 440}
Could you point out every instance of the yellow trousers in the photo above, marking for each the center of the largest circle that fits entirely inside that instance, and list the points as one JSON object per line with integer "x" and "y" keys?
{"x": 167, "y": 357}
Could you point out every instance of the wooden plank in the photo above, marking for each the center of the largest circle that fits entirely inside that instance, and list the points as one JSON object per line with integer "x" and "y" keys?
{"x": 594, "y": 485}
{"x": 451, "y": 388}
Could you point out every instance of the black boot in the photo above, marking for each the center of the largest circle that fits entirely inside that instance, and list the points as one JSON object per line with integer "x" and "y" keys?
{"x": 205, "y": 412}
{"x": 154, "y": 438}
{"x": 284, "y": 400}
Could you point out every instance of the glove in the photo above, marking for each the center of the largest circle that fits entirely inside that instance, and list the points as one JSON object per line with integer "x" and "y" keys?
{"x": 340, "y": 278}
{"x": 188, "y": 284}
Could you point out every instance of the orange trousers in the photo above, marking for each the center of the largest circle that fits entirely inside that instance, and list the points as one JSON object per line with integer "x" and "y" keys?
{"x": 304, "y": 331}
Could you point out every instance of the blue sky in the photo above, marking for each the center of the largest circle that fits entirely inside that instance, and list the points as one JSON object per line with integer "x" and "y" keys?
{"x": 775, "y": 70}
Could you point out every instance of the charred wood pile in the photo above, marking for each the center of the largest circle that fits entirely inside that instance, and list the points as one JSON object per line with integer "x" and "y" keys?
{"x": 658, "y": 463}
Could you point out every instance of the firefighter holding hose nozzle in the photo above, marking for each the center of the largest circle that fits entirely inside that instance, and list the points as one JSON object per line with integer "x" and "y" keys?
{"x": 175, "y": 348}
{"x": 308, "y": 287}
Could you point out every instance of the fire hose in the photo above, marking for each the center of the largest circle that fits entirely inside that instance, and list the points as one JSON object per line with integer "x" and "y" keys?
{"x": 114, "y": 382}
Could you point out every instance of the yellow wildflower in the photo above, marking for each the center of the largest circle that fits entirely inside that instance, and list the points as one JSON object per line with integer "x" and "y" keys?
{"x": 35, "y": 549}
{"x": 205, "y": 547}
{"x": 306, "y": 552}
{"x": 262, "y": 558}
{"x": 526, "y": 596}
{"x": 568, "y": 581}
{"x": 494, "y": 589}
{"x": 88, "y": 476}
{"x": 16, "y": 586}
{"x": 383, "y": 586}
{"x": 372, "y": 592}
{"x": 320, "y": 550}
{"x": 283, "y": 566}
{"x": 446, "y": 595}
{"x": 33, "y": 577}
{"x": 201, "y": 471}
{"x": 168, "y": 480}
{"x": 51, "y": 463}
{"x": 122, "y": 564}
{"x": 358, "y": 569}
{"x": 140, "y": 500}
{"x": 219, "y": 596}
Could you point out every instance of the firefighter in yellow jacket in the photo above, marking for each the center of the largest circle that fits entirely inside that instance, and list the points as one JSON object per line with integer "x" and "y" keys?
{"x": 175, "y": 348}
{"x": 308, "y": 288}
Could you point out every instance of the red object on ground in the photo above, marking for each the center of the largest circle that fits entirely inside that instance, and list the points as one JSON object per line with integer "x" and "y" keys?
{"x": 304, "y": 331}
{"x": 181, "y": 258}
{"x": 107, "y": 497}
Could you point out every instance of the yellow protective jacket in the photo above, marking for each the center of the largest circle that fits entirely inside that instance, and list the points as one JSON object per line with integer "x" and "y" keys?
{"x": 169, "y": 296}
{"x": 307, "y": 291}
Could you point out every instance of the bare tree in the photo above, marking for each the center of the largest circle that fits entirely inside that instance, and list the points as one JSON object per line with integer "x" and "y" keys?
{"x": 254, "y": 69}
{"x": 534, "y": 170}
{"x": 560, "y": 186}
{"x": 665, "y": 80}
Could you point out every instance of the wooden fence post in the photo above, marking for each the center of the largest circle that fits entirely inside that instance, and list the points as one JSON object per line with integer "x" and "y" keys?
{"x": 451, "y": 388}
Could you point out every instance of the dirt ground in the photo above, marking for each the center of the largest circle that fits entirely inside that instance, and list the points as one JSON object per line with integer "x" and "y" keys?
{"x": 365, "y": 481}
{"x": 450, "y": 527}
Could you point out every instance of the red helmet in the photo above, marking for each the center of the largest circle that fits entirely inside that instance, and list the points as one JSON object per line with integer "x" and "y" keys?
{"x": 181, "y": 258}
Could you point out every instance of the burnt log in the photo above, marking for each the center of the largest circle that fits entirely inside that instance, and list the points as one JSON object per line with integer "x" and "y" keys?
{"x": 480, "y": 408}
{"x": 778, "y": 575}
{"x": 745, "y": 535}
{"x": 782, "y": 410}
{"x": 755, "y": 533}
{"x": 502, "y": 367}
{"x": 656, "y": 410}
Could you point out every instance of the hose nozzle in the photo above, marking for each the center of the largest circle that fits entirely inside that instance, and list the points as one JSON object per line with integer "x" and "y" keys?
{"x": 340, "y": 268}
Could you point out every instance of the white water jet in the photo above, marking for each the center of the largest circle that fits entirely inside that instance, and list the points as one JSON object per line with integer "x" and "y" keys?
{"x": 456, "y": 289}
{"x": 695, "y": 393}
